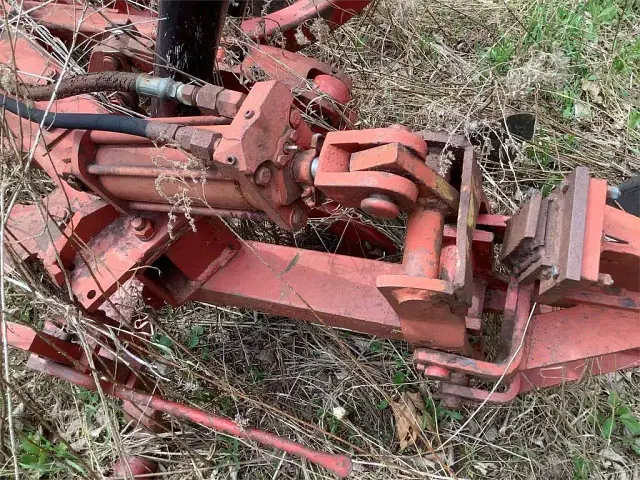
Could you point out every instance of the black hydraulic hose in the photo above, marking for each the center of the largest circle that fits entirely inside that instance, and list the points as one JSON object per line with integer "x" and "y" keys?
{"x": 83, "y": 121}
{"x": 88, "y": 83}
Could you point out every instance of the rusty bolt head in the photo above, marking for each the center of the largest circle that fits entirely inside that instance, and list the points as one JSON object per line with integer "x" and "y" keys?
{"x": 248, "y": 114}
{"x": 138, "y": 223}
{"x": 228, "y": 103}
{"x": 110, "y": 64}
{"x": 262, "y": 176}
{"x": 207, "y": 97}
{"x": 295, "y": 118}
{"x": 143, "y": 228}
{"x": 231, "y": 160}
{"x": 202, "y": 142}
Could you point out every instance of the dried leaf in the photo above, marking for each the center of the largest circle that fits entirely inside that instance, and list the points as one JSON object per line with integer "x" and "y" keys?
{"x": 612, "y": 455}
{"x": 407, "y": 418}
{"x": 417, "y": 401}
{"x": 593, "y": 89}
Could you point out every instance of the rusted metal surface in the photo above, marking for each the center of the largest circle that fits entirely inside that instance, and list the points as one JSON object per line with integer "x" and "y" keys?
{"x": 556, "y": 239}
{"x": 64, "y": 19}
{"x": 309, "y": 79}
{"x": 516, "y": 311}
{"x": 620, "y": 249}
{"x": 574, "y": 256}
{"x": 200, "y": 211}
{"x": 349, "y": 186}
{"x": 258, "y": 140}
{"x": 471, "y": 202}
{"x": 340, "y": 465}
{"x": 307, "y": 285}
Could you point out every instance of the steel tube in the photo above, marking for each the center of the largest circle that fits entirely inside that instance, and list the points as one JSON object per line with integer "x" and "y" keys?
{"x": 201, "y": 211}
{"x": 340, "y": 465}
{"x": 186, "y": 44}
{"x": 423, "y": 243}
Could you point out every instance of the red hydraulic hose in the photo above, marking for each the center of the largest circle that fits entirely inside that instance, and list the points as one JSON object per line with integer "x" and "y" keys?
{"x": 340, "y": 465}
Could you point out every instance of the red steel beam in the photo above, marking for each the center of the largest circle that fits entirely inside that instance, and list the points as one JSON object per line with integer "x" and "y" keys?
{"x": 335, "y": 290}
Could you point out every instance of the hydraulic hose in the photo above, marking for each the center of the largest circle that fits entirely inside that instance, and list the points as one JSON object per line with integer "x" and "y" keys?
{"x": 80, "y": 84}
{"x": 83, "y": 121}
{"x": 163, "y": 88}
{"x": 198, "y": 142}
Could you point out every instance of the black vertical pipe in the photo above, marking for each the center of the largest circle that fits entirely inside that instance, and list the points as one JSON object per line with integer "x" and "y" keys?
{"x": 187, "y": 39}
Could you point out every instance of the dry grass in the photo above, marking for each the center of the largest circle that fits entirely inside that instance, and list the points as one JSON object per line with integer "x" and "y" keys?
{"x": 456, "y": 66}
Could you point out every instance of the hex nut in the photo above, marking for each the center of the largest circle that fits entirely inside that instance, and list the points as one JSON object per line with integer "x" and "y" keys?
{"x": 138, "y": 223}
{"x": 143, "y": 228}
{"x": 206, "y": 99}
{"x": 187, "y": 94}
{"x": 202, "y": 144}
{"x": 228, "y": 103}
{"x": 262, "y": 176}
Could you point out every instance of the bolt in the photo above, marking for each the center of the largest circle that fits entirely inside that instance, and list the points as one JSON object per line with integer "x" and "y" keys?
{"x": 248, "y": 114}
{"x": 110, "y": 64}
{"x": 613, "y": 193}
{"x": 380, "y": 206}
{"x": 295, "y": 118}
{"x": 143, "y": 228}
{"x": 138, "y": 223}
{"x": 290, "y": 148}
{"x": 262, "y": 176}
{"x": 65, "y": 216}
{"x": 605, "y": 280}
{"x": 552, "y": 272}
{"x": 231, "y": 160}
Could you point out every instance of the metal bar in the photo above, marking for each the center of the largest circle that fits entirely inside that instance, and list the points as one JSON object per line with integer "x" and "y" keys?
{"x": 200, "y": 211}
{"x": 307, "y": 285}
{"x": 41, "y": 343}
{"x": 340, "y": 465}
{"x": 149, "y": 172}
{"x": 517, "y": 306}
